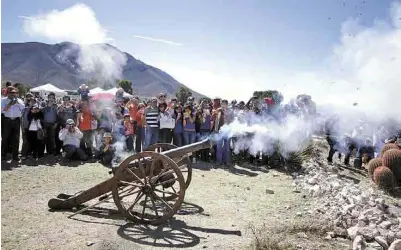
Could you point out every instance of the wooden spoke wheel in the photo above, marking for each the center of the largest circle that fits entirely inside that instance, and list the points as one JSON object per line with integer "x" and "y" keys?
{"x": 184, "y": 163}
{"x": 142, "y": 183}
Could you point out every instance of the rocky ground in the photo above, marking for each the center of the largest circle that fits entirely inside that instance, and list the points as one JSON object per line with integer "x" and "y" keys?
{"x": 330, "y": 207}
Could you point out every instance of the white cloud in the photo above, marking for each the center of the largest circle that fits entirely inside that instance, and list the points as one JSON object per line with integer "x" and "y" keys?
{"x": 157, "y": 40}
{"x": 78, "y": 24}
{"x": 364, "y": 68}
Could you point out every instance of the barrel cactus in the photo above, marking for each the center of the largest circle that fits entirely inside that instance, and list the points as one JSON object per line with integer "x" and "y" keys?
{"x": 392, "y": 160}
{"x": 386, "y": 147}
{"x": 372, "y": 165}
{"x": 384, "y": 178}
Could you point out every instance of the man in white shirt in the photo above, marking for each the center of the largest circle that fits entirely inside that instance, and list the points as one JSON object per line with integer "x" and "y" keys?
{"x": 71, "y": 137}
{"x": 11, "y": 108}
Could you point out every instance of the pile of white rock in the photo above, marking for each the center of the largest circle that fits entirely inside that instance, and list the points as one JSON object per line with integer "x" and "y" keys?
{"x": 358, "y": 211}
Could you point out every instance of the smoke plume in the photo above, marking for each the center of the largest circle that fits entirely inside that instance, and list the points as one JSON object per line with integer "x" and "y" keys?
{"x": 360, "y": 81}
{"x": 78, "y": 24}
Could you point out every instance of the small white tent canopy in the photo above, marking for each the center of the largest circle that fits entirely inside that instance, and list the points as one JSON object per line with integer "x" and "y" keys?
{"x": 44, "y": 90}
{"x": 114, "y": 90}
{"x": 96, "y": 90}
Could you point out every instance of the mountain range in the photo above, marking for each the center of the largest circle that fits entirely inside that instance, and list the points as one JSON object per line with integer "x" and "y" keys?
{"x": 35, "y": 64}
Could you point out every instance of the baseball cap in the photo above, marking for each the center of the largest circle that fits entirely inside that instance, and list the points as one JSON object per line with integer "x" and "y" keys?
{"x": 107, "y": 134}
{"x": 70, "y": 122}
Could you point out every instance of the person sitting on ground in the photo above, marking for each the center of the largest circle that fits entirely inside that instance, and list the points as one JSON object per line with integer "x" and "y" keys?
{"x": 107, "y": 150}
{"x": 71, "y": 137}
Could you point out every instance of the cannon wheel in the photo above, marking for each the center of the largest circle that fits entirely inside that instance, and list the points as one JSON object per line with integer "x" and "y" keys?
{"x": 184, "y": 163}
{"x": 141, "y": 183}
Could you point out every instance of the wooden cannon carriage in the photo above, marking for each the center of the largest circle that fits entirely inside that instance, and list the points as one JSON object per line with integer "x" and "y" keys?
{"x": 148, "y": 187}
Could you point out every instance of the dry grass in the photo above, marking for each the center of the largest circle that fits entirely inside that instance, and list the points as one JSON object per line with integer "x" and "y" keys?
{"x": 284, "y": 236}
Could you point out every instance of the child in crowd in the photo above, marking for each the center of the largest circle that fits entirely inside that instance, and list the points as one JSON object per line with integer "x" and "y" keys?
{"x": 128, "y": 132}
{"x": 107, "y": 150}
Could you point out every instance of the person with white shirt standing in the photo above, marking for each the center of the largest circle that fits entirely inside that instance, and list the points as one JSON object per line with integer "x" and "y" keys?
{"x": 11, "y": 108}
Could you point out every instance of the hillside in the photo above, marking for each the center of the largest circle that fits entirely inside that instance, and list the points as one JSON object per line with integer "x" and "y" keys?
{"x": 36, "y": 63}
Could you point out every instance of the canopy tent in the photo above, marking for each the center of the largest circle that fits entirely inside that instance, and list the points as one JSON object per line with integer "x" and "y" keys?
{"x": 44, "y": 90}
{"x": 95, "y": 91}
{"x": 114, "y": 90}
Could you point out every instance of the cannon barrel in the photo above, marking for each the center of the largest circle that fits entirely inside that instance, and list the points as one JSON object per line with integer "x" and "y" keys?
{"x": 106, "y": 186}
{"x": 181, "y": 151}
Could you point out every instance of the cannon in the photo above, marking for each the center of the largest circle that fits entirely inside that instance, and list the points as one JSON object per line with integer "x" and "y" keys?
{"x": 148, "y": 187}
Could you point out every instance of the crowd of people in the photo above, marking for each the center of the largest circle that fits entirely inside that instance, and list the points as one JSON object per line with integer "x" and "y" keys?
{"x": 99, "y": 129}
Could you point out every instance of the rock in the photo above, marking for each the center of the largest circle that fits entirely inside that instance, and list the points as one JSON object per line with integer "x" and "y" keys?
{"x": 368, "y": 233}
{"x": 373, "y": 246}
{"x": 385, "y": 224}
{"x": 352, "y": 232}
{"x": 90, "y": 243}
{"x": 296, "y": 191}
{"x": 302, "y": 235}
{"x": 359, "y": 243}
{"x": 382, "y": 242}
{"x": 268, "y": 191}
{"x": 396, "y": 245}
{"x": 299, "y": 214}
{"x": 338, "y": 231}
{"x": 312, "y": 181}
{"x": 248, "y": 188}
{"x": 204, "y": 247}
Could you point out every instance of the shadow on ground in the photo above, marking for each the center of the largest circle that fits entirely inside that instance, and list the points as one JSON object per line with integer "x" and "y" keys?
{"x": 175, "y": 234}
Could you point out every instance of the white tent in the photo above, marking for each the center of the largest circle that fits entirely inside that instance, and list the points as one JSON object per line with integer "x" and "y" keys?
{"x": 96, "y": 91}
{"x": 44, "y": 90}
{"x": 114, "y": 90}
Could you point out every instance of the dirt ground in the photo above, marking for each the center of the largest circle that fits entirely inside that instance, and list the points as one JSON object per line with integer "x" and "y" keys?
{"x": 221, "y": 208}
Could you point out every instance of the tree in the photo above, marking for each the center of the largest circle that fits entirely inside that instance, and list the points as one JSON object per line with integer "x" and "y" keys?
{"x": 276, "y": 95}
{"x": 182, "y": 94}
{"x": 126, "y": 85}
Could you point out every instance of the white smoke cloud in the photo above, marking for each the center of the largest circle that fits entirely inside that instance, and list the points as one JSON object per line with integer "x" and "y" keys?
{"x": 78, "y": 24}
{"x": 364, "y": 68}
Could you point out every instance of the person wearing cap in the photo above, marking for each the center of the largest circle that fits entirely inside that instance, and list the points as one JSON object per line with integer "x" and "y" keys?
{"x": 107, "y": 151}
{"x": 35, "y": 133}
{"x": 151, "y": 122}
{"x": 50, "y": 123}
{"x": 12, "y": 108}
{"x": 71, "y": 137}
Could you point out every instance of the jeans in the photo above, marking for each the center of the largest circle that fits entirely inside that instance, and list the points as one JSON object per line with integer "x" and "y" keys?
{"x": 35, "y": 146}
{"x": 25, "y": 143}
{"x": 11, "y": 136}
{"x": 151, "y": 136}
{"x": 129, "y": 142}
{"x": 139, "y": 138}
{"x": 189, "y": 137}
{"x": 50, "y": 139}
{"x": 223, "y": 151}
{"x": 178, "y": 139}
{"x": 72, "y": 152}
{"x": 87, "y": 141}
{"x": 165, "y": 135}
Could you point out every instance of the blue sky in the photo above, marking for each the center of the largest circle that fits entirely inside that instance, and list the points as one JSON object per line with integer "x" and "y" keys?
{"x": 229, "y": 44}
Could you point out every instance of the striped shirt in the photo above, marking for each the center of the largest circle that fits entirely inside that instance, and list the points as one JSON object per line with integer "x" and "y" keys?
{"x": 152, "y": 117}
